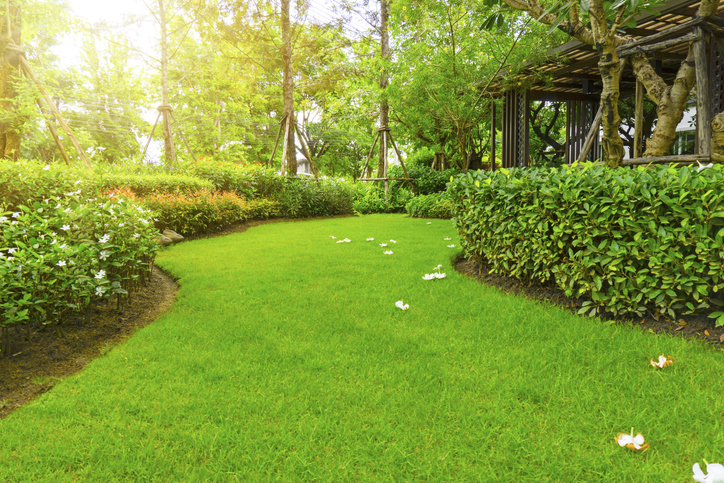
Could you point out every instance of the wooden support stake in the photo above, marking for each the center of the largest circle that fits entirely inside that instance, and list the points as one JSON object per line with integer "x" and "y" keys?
{"x": 287, "y": 125}
{"x": 54, "y": 132}
{"x": 151, "y": 135}
{"x": 383, "y": 146}
{"x": 49, "y": 100}
{"x": 306, "y": 151}
{"x": 703, "y": 92}
{"x": 369, "y": 156}
{"x": 492, "y": 135}
{"x": 402, "y": 163}
{"x": 276, "y": 142}
{"x": 592, "y": 134}
{"x": 638, "y": 120}
{"x": 184, "y": 138}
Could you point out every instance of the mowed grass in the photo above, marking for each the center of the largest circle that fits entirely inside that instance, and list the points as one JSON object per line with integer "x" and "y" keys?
{"x": 285, "y": 359}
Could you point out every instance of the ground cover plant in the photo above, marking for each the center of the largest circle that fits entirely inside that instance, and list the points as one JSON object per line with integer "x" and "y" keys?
{"x": 302, "y": 368}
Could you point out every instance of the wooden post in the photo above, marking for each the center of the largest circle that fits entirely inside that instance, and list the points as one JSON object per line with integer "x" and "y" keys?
{"x": 184, "y": 138}
{"x": 492, "y": 135}
{"x": 383, "y": 146}
{"x": 287, "y": 123}
{"x": 402, "y": 163}
{"x": 639, "y": 120}
{"x": 703, "y": 91}
{"x": 49, "y": 100}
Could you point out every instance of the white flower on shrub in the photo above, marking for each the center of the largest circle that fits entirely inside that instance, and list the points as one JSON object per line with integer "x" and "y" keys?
{"x": 11, "y": 258}
{"x": 121, "y": 224}
{"x": 46, "y": 168}
{"x": 61, "y": 263}
{"x": 12, "y": 250}
{"x": 3, "y": 219}
{"x": 63, "y": 246}
{"x": 136, "y": 235}
{"x": 100, "y": 274}
{"x": 13, "y": 222}
{"x": 65, "y": 227}
{"x": 16, "y": 214}
{"x": 100, "y": 290}
{"x": 104, "y": 255}
{"x": 104, "y": 238}
{"x": 401, "y": 305}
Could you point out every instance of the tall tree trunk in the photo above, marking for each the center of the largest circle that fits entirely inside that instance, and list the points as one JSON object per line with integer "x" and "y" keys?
{"x": 384, "y": 80}
{"x": 11, "y": 122}
{"x": 288, "y": 92}
{"x": 169, "y": 150}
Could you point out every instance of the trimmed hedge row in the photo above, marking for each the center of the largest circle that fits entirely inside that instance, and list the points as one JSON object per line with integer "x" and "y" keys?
{"x": 436, "y": 205}
{"x": 631, "y": 239}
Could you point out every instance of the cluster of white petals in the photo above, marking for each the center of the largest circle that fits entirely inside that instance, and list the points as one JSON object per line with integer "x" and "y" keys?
{"x": 383, "y": 244}
{"x": 715, "y": 473}
{"x": 346, "y": 240}
{"x": 451, "y": 246}
{"x": 370, "y": 239}
{"x": 401, "y": 305}
{"x": 388, "y": 252}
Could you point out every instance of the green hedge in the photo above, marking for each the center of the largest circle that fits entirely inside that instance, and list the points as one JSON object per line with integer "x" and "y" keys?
{"x": 631, "y": 239}
{"x": 149, "y": 184}
{"x": 436, "y": 205}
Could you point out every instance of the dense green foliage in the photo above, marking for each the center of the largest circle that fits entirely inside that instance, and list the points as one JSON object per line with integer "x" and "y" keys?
{"x": 436, "y": 205}
{"x": 370, "y": 198}
{"x": 631, "y": 239}
{"x": 60, "y": 254}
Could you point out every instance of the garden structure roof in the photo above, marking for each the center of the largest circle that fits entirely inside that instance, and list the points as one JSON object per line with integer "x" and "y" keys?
{"x": 572, "y": 72}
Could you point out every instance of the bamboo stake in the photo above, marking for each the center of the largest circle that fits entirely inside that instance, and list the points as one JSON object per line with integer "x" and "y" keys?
{"x": 383, "y": 145}
{"x": 49, "y": 100}
{"x": 402, "y": 163}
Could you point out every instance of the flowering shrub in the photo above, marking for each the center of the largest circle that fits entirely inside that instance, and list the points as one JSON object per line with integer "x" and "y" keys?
{"x": 203, "y": 211}
{"x": 60, "y": 254}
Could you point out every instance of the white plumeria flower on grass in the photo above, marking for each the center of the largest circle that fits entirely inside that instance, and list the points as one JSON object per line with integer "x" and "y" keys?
{"x": 715, "y": 473}
{"x": 447, "y": 239}
{"x": 451, "y": 246}
{"x": 370, "y": 239}
{"x": 393, "y": 241}
{"x": 632, "y": 442}
{"x": 388, "y": 252}
{"x": 332, "y": 237}
{"x": 662, "y": 362}
{"x": 401, "y": 305}
{"x": 435, "y": 275}
{"x": 429, "y": 223}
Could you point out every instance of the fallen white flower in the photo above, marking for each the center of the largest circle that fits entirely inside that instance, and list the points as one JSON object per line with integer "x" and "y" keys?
{"x": 332, "y": 237}
{"x": 383, "y": 244}
{"x": 401, "y": 305}
{"x": 370, "y": 239}
{"x": 447, "y": 239}
{"x": 389, "y": 252}
{"x": 715, "y": 473}
{"x": 663, "y": 362}
{"x": 429, "y": 223}
{"x": 393, "y": 241}
{"x": 428, "y": 276}
{"x": 630, "y": 441}
{"x": 703, "y": 166}
{"x": 451, "y": 246}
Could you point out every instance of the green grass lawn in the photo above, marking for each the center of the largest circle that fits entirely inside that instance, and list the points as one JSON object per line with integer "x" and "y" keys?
{"x": 285, "y": 359}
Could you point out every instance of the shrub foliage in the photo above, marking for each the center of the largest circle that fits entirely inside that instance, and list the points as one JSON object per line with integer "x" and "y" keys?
{"x": 631, "y": 239}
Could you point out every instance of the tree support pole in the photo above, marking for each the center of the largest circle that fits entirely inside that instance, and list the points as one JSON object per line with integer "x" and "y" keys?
{"x": 49, "y": 100}
{"x": 151, "y": 135}
{"x": 369, "y": 156}
{"x": 54, "y": 132}
{"x": 276, "y": 142}
{"x": 306, "y": 151}
{"x": 592, "y": 134}
{"x": 639, "y": 120}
